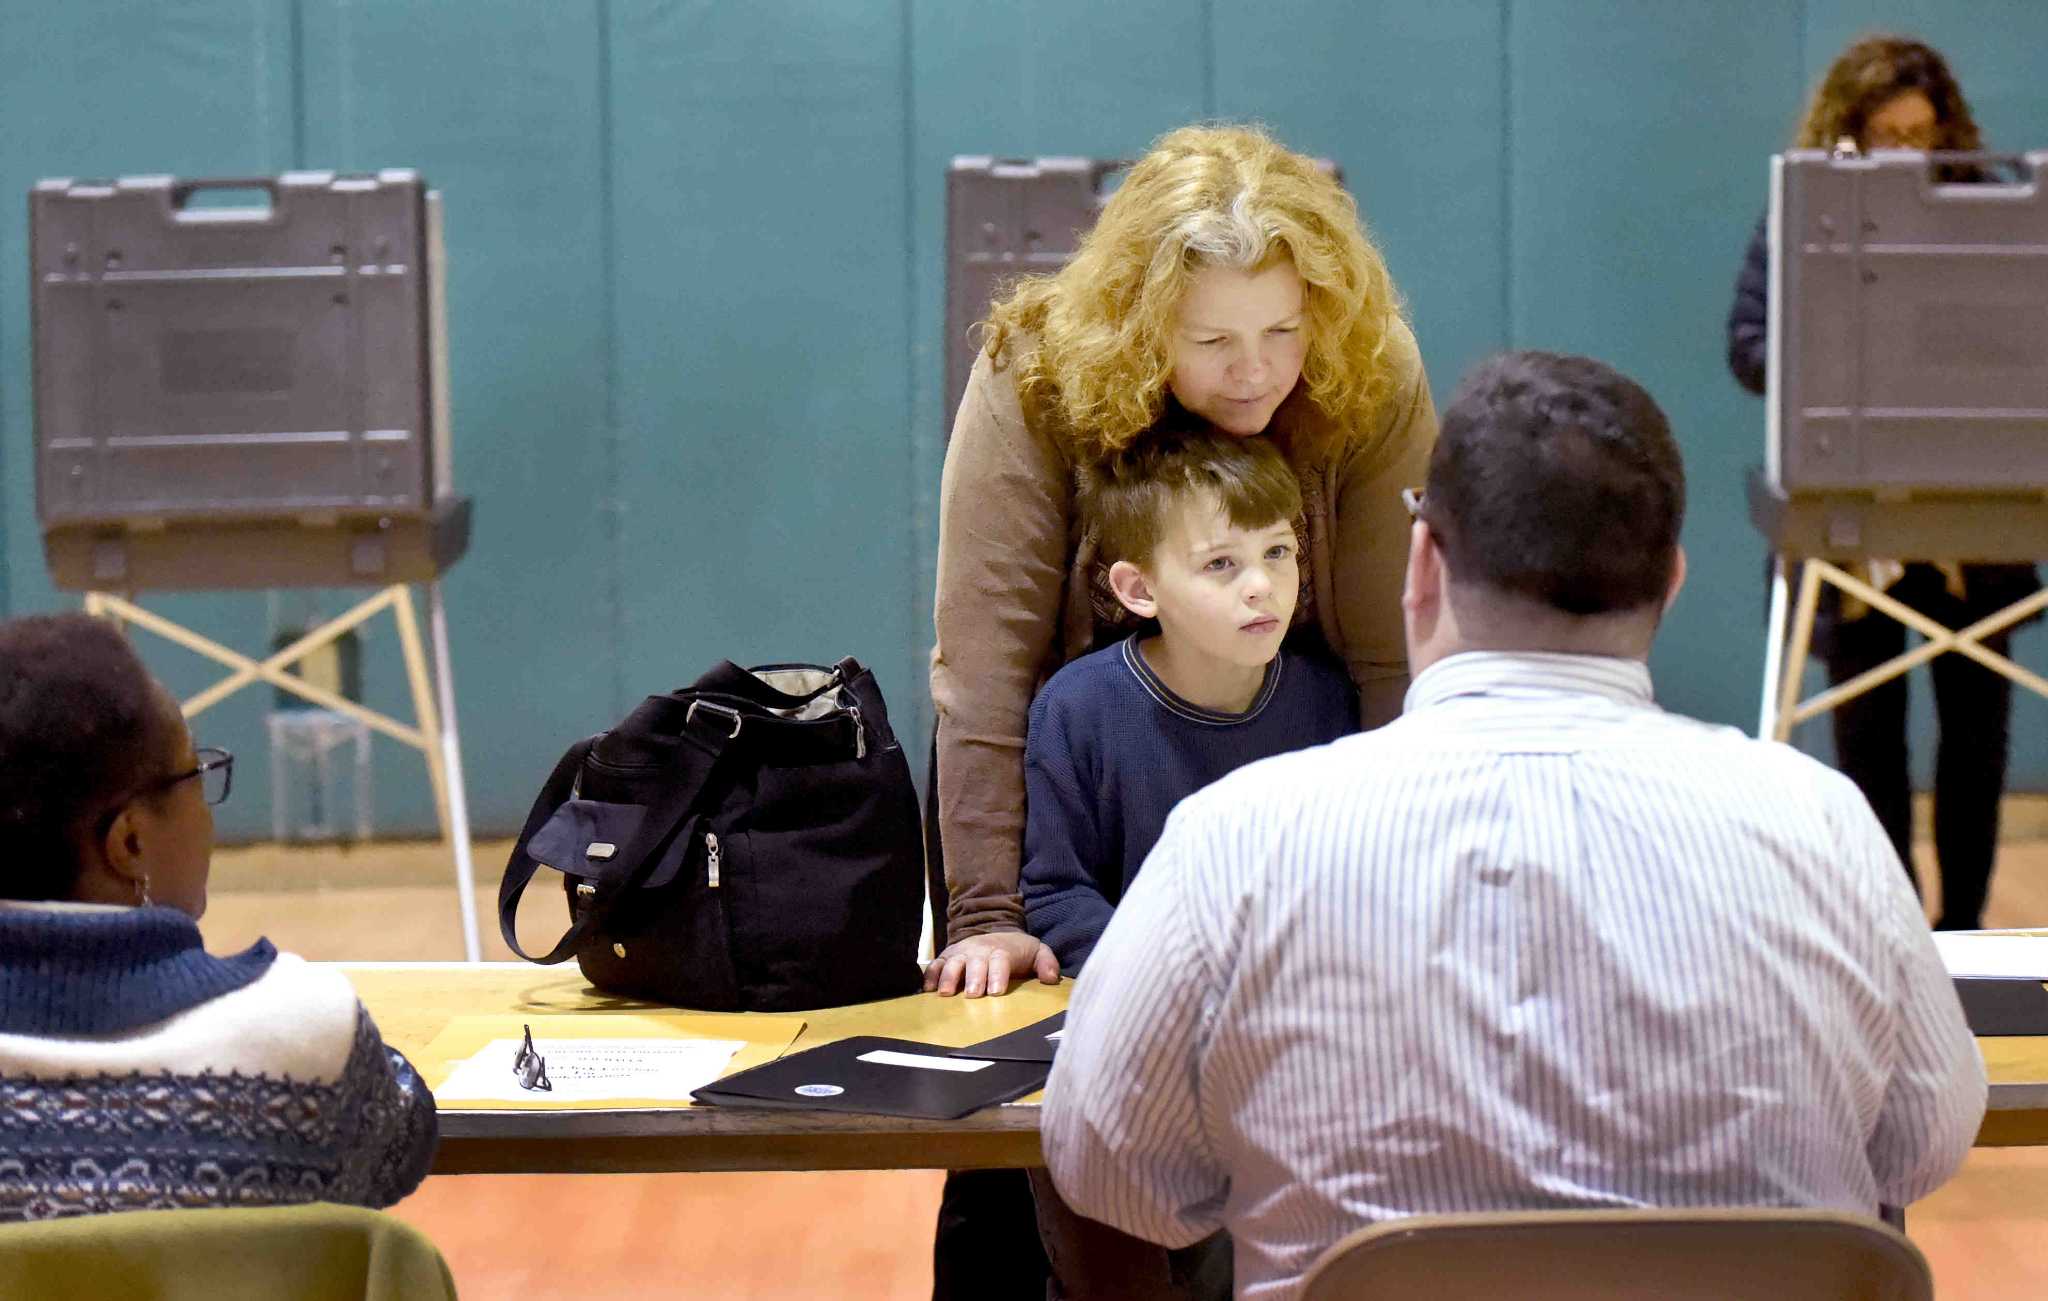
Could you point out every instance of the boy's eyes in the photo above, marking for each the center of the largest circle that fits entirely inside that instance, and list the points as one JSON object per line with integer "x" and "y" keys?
{"x": 1278, "y": 551}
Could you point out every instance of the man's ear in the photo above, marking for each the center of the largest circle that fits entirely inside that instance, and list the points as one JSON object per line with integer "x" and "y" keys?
{"x": 1132, "y": 589}
{"x": 1677, "y": 577}
{"x": 1422, "y": 592}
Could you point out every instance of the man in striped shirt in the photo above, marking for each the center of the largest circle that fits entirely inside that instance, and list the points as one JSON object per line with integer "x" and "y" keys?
{"x": 1535, "y": 944}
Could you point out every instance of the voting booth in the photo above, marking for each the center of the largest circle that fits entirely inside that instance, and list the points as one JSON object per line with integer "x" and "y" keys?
{"x": 1907, "y": 398}
{"x": 242, "y": 384}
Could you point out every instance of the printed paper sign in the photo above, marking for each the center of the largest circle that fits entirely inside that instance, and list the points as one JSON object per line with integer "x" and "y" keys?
{"x": 593, "y": 1070}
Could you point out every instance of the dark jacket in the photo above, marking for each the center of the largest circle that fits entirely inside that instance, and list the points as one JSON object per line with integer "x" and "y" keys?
{"x": 1750, "y": 313}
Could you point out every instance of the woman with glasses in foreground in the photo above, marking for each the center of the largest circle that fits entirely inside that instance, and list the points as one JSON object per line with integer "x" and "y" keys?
{"x": 138, "y": 1071}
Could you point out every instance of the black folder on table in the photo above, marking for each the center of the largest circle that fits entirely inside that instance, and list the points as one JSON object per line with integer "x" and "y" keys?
{"x": 2004, "y": 1005}
{"x": 887, "y": 1077}
{"x": 1034, "y": 1043}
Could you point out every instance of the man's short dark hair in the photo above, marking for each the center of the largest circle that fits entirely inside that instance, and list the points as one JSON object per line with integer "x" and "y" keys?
{"x": 81, "y": 726}
{"x": 1556, "y": 479}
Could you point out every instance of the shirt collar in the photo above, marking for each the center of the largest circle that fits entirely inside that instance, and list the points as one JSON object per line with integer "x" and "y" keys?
{"x": 1528, "y": 674}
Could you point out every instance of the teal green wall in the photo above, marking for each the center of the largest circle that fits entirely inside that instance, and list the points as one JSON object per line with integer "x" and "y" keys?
{"x": 696, "y": 274}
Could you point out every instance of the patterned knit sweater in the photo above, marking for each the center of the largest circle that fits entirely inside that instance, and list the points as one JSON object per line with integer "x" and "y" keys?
{"x": 139, "y": 1072}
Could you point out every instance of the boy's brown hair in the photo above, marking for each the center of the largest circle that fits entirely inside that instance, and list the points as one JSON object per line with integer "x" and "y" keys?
{"x": 1128, "y": 498}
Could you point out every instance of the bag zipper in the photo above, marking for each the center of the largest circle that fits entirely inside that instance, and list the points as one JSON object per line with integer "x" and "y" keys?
{"x": 711, "y": 857}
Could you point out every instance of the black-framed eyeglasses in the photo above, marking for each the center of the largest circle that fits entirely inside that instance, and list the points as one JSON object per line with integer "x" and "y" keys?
{"x": 529, "y": 1067}
{"x": 1412, "y": 499}
{"x": 215, "y": 771}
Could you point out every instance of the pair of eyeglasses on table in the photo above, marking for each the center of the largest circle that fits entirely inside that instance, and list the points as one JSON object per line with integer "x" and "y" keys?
{"x": 529, "y": 1067}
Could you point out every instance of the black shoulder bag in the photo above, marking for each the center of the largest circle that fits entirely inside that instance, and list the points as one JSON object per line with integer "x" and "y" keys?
{"x": 748, "y": 843}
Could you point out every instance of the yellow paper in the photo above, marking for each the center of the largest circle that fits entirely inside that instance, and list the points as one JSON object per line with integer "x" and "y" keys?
{"x": 765, "y": 1038}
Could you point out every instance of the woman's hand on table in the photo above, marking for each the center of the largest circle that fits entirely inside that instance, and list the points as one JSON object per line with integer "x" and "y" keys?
{"x": 984, "y": 963}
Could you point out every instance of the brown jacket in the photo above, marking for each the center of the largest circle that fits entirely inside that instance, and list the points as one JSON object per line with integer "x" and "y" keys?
{"x": 1012, "y": 603}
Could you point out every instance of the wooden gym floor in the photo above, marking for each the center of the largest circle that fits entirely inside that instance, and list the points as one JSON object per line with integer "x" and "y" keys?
{"x": 778, "y": 1237}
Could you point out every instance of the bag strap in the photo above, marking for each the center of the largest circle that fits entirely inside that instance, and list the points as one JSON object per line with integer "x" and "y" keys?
{"x": 519, "y": 869}
{"x": 698, "y": 761}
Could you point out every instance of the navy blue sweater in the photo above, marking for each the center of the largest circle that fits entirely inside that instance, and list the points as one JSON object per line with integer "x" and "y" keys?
{"x": 1111, "y": 750}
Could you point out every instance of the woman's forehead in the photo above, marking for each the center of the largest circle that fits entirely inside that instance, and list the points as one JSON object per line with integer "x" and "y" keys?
{"x": 1220, "y": 296}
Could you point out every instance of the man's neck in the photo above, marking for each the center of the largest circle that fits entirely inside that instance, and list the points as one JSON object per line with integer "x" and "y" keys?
{"x": 1202, "y": 680}
{"x": 1521, "y": 630}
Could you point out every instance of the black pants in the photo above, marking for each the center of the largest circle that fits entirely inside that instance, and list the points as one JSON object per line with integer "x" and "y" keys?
{"x": 1973, "y": 707}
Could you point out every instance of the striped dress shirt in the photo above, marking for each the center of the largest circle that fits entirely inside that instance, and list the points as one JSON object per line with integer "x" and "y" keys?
{"x": 1535, "y": 944}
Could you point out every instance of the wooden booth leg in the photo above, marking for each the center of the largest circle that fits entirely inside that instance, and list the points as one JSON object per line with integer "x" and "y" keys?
{"x": 1795, "y": 656}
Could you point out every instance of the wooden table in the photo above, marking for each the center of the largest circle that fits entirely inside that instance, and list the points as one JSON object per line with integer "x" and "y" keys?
{"x": 413, "y": 1001}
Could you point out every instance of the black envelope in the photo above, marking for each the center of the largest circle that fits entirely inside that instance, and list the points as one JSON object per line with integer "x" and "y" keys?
{"x": 2003, "y": 1005}
{"x": 1034, "y": 1043}
{"x": 887, "y": 1077}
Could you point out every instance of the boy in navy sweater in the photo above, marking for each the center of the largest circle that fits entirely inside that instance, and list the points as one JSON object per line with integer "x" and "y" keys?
{"x": 1200, "y": 532}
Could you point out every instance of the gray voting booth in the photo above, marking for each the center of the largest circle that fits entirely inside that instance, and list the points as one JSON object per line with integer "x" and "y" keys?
{"x": 1907, "y": 402}
{"x": 1010, "y": 217}
{"x": 253, "y": 394}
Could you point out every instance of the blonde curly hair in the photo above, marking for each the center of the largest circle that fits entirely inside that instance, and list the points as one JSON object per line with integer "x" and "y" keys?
{"x": 1877, "y": 68}
{"x": 1090, "y": 343}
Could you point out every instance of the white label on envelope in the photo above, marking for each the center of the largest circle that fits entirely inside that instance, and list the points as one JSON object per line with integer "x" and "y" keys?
{"x": 885, "y": 1057}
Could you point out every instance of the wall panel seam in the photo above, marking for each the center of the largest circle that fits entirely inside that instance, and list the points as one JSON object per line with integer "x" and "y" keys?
{"x": 922, "y": 439}
{"x": 1507, "y": 174}
{"x": 613, "y": 505}
{"x": 297, "y": 37}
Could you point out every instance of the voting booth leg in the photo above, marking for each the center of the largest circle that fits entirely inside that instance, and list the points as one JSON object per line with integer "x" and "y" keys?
{"x": 1968, "y": 642}
{"x": 437, "y": 742}
{"x": 1791, "y": 672}
{"x": 451, "y": 760}
{"x": 1774, "y": 649}
{"x": 443, "y": 752}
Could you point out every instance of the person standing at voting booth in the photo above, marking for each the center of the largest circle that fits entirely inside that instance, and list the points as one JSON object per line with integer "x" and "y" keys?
{"x": 1228, "y": 283}
{"x": 1892, "y": 92}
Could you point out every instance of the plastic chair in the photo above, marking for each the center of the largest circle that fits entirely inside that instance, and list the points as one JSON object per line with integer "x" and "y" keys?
{"x": 1748, "y": 1254}
{"x": 319, "y": 1252}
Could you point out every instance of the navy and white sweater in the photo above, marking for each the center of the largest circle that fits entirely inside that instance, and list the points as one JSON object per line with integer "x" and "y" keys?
{"x": 1109, "y": 752}
{"x": 139, "y": 1072}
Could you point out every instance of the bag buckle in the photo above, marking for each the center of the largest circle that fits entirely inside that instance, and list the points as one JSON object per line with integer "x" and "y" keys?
{"x": 690, "y": 717}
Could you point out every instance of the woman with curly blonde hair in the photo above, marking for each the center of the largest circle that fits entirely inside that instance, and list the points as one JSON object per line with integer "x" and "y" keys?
{"x": 1227, "y": 282}
{"x": 1893, "y": 92}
